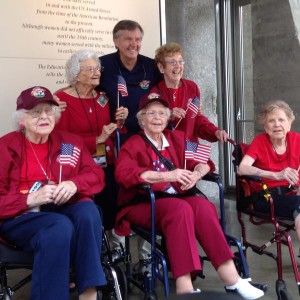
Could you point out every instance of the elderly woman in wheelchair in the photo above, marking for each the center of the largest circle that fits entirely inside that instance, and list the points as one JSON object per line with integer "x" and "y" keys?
{"x": 45, "y": 208}
{"x": 275, "y": 156}
{"x": 181, "y": 216}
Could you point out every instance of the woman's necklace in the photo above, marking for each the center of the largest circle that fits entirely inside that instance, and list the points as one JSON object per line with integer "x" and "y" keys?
{"x": 90, "y": 108}
{"x": 90, "y": 111}
{"x": 280, "y": 156}
{"x": 43, "y": 170}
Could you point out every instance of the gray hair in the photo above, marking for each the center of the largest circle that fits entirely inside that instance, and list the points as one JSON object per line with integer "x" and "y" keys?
{"x": 73, "y": 64}
{"x": 17, "y": 117}
{"x": 272, "y": 106}
{"x": 142, "y": 111}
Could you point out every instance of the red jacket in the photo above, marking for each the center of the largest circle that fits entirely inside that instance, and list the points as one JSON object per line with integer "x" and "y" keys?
{"x": 88, "y": 177}
{"x": 198, "y": 127}
{"x": 135, "y": 158}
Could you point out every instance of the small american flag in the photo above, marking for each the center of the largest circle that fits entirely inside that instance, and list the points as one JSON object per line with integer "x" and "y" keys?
{"x": 122, "y": 88}
{"x": 69, "y": 155}
{"x": 198, "y": 152}
{"x": 194, "y": 106}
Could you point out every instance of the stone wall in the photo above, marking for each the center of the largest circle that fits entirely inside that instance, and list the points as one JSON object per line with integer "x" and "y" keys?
{"x": 276, "y": 53}
{"x": 192, "y": 24}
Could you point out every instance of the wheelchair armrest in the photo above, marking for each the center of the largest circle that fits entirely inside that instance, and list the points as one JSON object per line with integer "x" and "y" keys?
{"x": 144, "y": 186}
{"x": 251, "y": 178}
{"x": 213, "y": 177}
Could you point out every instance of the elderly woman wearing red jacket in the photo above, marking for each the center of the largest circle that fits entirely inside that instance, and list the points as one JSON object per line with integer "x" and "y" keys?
{"x": 46, "y": 179}
{"x": 180, "y": 92}
{"x": 184, "y": 219}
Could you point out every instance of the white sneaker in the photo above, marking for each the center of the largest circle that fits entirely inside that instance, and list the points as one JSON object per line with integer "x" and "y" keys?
{"x": 245, "y": 289}
{"x": 195, "y": 291}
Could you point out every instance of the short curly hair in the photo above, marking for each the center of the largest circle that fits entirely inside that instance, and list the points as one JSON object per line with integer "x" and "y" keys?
{"x": 167, "y": 50}
{"x": 271, "y": 106}
{"x": 73, "y": 64}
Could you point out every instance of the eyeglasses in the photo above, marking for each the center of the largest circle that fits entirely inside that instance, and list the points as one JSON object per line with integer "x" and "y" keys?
{"x": 35, "y": 113}
{"x": 153, "y": 113}
{"x": 92, "y": 70}
{"x": 174, "y": 62}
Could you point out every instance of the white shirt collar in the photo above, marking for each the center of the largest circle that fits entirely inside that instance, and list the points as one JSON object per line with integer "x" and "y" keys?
{"x": 165, "y": 142}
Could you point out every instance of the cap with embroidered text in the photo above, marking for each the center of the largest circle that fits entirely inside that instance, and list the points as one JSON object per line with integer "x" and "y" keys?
{"x": 31, "y": 97}
{"x": 152, "y": 97}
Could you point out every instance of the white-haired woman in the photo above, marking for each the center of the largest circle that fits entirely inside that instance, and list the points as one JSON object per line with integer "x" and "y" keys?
{"x": 87, "y": 114}
{"x": 275, "y": 156}
{"x": 45, "y": 203}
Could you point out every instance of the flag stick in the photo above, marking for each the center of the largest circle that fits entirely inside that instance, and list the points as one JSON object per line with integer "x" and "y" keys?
{"x": 180, "y": 118}
{"x": 118, "y": 104}
{"x": 60, "y": 171}
{"x": 178, "y": 123}
{"x": 185, "y": 164}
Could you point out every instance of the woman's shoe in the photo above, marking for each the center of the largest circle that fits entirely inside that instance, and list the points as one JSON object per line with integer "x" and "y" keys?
{"x": 245, "y": 289}
{"x": 195, "y": 291}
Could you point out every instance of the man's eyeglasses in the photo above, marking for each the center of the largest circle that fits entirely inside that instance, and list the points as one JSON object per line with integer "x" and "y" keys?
{"x": 153, "y": 113}
{"x": 174, "y": 62}
{"x": 92, "y": 70}
{"x": 35, "y": 113}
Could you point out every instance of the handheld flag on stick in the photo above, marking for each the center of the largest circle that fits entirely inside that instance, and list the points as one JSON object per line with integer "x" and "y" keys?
{"x": 69, "y": 155}
{"x": 122, "y": 88}
{"x": 198, "y": 152}
{"x": 194, "y": 106}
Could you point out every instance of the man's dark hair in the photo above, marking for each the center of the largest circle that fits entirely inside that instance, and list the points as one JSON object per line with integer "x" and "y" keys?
{"x": 126, "y": 25}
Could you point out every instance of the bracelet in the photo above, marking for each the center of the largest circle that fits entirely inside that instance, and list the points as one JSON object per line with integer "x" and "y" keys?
{"x": 199, "y": 173}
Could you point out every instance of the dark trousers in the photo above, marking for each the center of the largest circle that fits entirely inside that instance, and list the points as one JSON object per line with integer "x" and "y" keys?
{"x": 107, "y": 198}
{"x": 72, "y": 235}
{"x": 286, "y": 204}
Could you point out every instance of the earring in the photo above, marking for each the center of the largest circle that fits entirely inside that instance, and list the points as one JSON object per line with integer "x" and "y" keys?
{"x": 162, "y": 71}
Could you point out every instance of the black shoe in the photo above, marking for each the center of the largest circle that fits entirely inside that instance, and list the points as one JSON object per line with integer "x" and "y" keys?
{"x": 142, "y": 268}
{"x": 118, "y": 254}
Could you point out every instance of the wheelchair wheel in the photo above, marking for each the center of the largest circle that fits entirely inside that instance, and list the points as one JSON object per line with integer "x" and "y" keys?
{"x": 122, "y": 280}
{"x": 281, "y": 291}
{"x": 151, "y": 296}
{"x": 116, "y": 288}
{"x": 4, "y": 295}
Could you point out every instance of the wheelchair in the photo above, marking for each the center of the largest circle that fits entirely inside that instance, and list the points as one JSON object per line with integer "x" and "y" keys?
{"x": 282, "y": 226}
{"x": 158, "y": 257}
{"x": 12, "y": 258}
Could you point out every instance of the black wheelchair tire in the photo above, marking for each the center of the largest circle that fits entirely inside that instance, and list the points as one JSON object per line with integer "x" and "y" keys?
{"x": 281, "y": 291}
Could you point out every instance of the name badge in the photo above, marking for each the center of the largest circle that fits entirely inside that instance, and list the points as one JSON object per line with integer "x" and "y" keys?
{"x": 102, "y": 100}
{"x": 100, "y": 156}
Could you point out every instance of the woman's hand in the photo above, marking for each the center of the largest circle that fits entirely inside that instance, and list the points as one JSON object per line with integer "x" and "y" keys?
{"x": 186, "y": 178}
{"x": 41, "y": 197}
{"x": 222, "y": 136}
{"x": 121, "y": 115}
{"x": 193, "y": 180}
{"x": 107, "y": 130}
{"x": 289, "y": 174}
{"x": 62, "y": 104}
{"x": 63, "y": 192}
{"x": 178, "y": 113}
